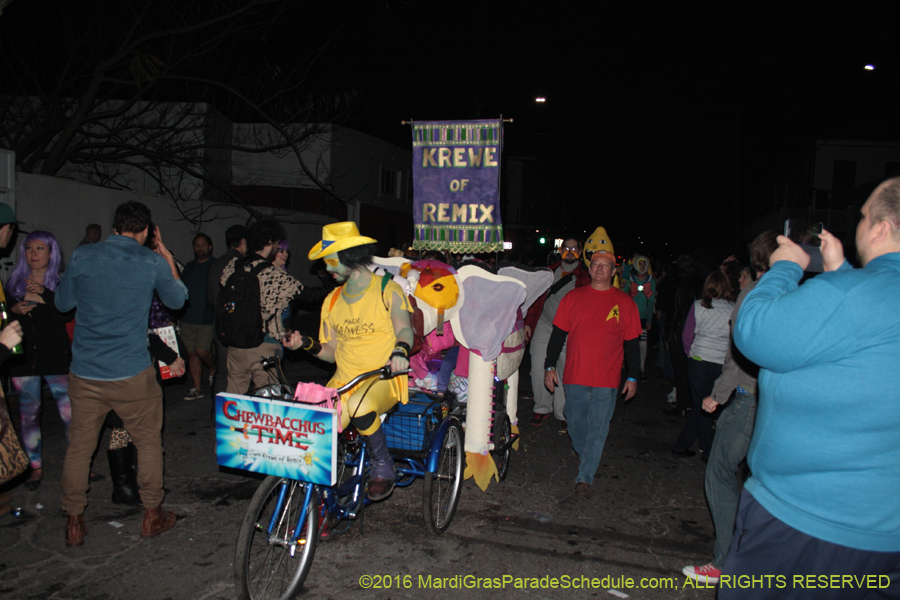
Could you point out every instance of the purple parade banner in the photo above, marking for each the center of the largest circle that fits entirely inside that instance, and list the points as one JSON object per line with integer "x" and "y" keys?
{"x": 456, "y": 185}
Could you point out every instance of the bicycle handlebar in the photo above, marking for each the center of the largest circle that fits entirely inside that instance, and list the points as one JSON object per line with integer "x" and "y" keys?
{"x": 383, "y": 373}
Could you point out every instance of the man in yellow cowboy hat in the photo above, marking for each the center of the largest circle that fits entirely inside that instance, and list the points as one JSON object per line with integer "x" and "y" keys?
{"x": 364, "y": 326}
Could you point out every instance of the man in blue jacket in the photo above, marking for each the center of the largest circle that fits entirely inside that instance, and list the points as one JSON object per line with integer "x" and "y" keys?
{"x": 825, "y": 456}
{"x": 111, "y": 284}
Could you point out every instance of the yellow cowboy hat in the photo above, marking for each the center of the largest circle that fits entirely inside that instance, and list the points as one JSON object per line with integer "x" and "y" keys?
{"x": 337, "y": 237}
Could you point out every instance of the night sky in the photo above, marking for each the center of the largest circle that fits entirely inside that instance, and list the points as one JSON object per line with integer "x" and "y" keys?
{"x": 645, "y": 104}
{"x": 654, "y": 112}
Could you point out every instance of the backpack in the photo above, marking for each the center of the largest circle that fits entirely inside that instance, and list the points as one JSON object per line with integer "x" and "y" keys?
{"x": 239, "y": 320}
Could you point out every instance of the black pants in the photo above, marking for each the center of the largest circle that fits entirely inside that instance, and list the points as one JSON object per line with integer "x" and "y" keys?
{"x": 680, "y": 364}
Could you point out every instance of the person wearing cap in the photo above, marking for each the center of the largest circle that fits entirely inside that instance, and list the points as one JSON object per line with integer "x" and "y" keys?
{"x": 236, "y": 242}
{"x": 598, "y": 323}
{"x": 277, "y": 289}
{"x": 365, "y": 325}
{"x": 10, "y": 337}
{"x": 8, "y": 224}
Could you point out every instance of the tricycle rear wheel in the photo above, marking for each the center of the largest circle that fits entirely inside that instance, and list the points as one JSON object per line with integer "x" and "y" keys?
{"x": 502, "y": 435}
{"x": 443, "y": 487}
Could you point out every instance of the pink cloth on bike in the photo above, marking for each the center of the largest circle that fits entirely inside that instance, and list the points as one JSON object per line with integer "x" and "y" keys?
{"x": 319, "y": 395}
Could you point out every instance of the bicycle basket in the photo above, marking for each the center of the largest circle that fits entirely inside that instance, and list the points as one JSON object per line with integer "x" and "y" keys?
{"x": 273, "y": 391}
{"x": 410, "y": 428}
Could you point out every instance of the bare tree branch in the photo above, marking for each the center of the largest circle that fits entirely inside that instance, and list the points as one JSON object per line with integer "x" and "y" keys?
{"x": 117, "y": 92}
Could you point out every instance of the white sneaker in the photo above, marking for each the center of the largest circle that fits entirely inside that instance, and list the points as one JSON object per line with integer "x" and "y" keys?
{"x": 705, "y": 574}
{"x": 194, "y": 394}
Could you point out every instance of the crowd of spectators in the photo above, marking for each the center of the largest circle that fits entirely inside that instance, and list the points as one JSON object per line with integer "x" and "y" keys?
{"x": 726, "y": 340}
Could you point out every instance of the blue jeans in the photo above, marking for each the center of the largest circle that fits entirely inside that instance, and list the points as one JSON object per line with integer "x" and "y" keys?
{"x": 588, "y": 413}
{"x": 723, "y": 490}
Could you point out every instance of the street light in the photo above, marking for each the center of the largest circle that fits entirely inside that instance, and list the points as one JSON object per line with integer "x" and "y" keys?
{"x": 535, "y": 99}
{"x": 871, "y": 67}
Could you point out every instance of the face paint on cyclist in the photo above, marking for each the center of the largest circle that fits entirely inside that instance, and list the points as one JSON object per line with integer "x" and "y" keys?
{"x": 334, "y": 266}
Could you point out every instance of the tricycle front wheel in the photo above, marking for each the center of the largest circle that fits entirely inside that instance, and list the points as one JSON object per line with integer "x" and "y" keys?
{"x": 270, "y": 562}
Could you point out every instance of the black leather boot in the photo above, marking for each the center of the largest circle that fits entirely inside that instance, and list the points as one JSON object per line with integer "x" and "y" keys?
{"x": 123, "y": 469}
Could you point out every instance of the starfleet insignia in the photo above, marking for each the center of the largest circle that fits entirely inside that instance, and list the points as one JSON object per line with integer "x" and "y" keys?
{"x": 613, "y": 313}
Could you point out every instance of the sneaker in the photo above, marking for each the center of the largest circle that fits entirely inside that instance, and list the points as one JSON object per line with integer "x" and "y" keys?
{"x": 194, "y": 394}
{"x": 539, "y": 419}
{"x": 582, "y": 489}
{"x": 705, "y": 574}
{"x": 671, "y": 398}
{"x": 563, "y": 426}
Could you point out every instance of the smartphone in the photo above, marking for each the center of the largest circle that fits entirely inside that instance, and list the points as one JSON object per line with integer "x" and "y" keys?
{"x": 30, "y": 303}
{"x": 806, "y": 234}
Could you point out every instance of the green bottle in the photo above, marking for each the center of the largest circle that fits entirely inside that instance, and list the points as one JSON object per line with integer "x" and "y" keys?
{"x": 4, "y": 321}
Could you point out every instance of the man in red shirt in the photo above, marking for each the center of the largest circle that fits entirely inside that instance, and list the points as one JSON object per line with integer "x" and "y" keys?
{"x": 602, "y": 326}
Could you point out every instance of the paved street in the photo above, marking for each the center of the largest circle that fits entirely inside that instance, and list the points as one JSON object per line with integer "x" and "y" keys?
{"x": 646, "y": 519}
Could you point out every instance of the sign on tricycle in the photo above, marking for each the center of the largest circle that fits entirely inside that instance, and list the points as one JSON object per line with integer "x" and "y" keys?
{"x": 278, "y": 438}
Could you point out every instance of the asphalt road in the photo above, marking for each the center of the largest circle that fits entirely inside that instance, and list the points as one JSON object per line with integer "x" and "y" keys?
{"x": 647, "y": 518}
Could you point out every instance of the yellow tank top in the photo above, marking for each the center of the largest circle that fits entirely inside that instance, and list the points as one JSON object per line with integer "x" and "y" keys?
{"x": 364, "y": 330}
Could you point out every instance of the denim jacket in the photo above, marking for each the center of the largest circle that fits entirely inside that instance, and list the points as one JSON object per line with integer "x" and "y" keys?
{"x": 111, "y": 284}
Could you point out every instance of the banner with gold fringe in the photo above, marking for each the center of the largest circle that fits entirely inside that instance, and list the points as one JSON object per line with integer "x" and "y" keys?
{"x": 456, "y": 185}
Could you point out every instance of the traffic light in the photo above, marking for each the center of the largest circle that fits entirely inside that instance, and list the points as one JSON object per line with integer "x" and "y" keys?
{"x": 543, "y": 240}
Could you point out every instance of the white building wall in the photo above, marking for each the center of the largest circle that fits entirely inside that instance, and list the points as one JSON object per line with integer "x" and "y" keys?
{"x": 65, "y": 208}
{"x": 178, "y": 128}
{"x": 357, "y": 160}
{"x": 282, "y": 168}
{"x": 870, "y": 159}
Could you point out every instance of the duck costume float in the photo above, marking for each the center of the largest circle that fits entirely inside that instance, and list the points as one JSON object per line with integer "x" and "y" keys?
{"x": 482, "y": 310}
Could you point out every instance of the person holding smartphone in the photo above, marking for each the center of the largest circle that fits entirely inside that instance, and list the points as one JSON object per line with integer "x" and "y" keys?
{"x": 825, "y": 453}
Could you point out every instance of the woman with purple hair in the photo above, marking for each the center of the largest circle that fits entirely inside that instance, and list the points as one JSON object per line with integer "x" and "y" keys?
{"x": 31, "y": 288}
{"x": 282, "y": 253}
